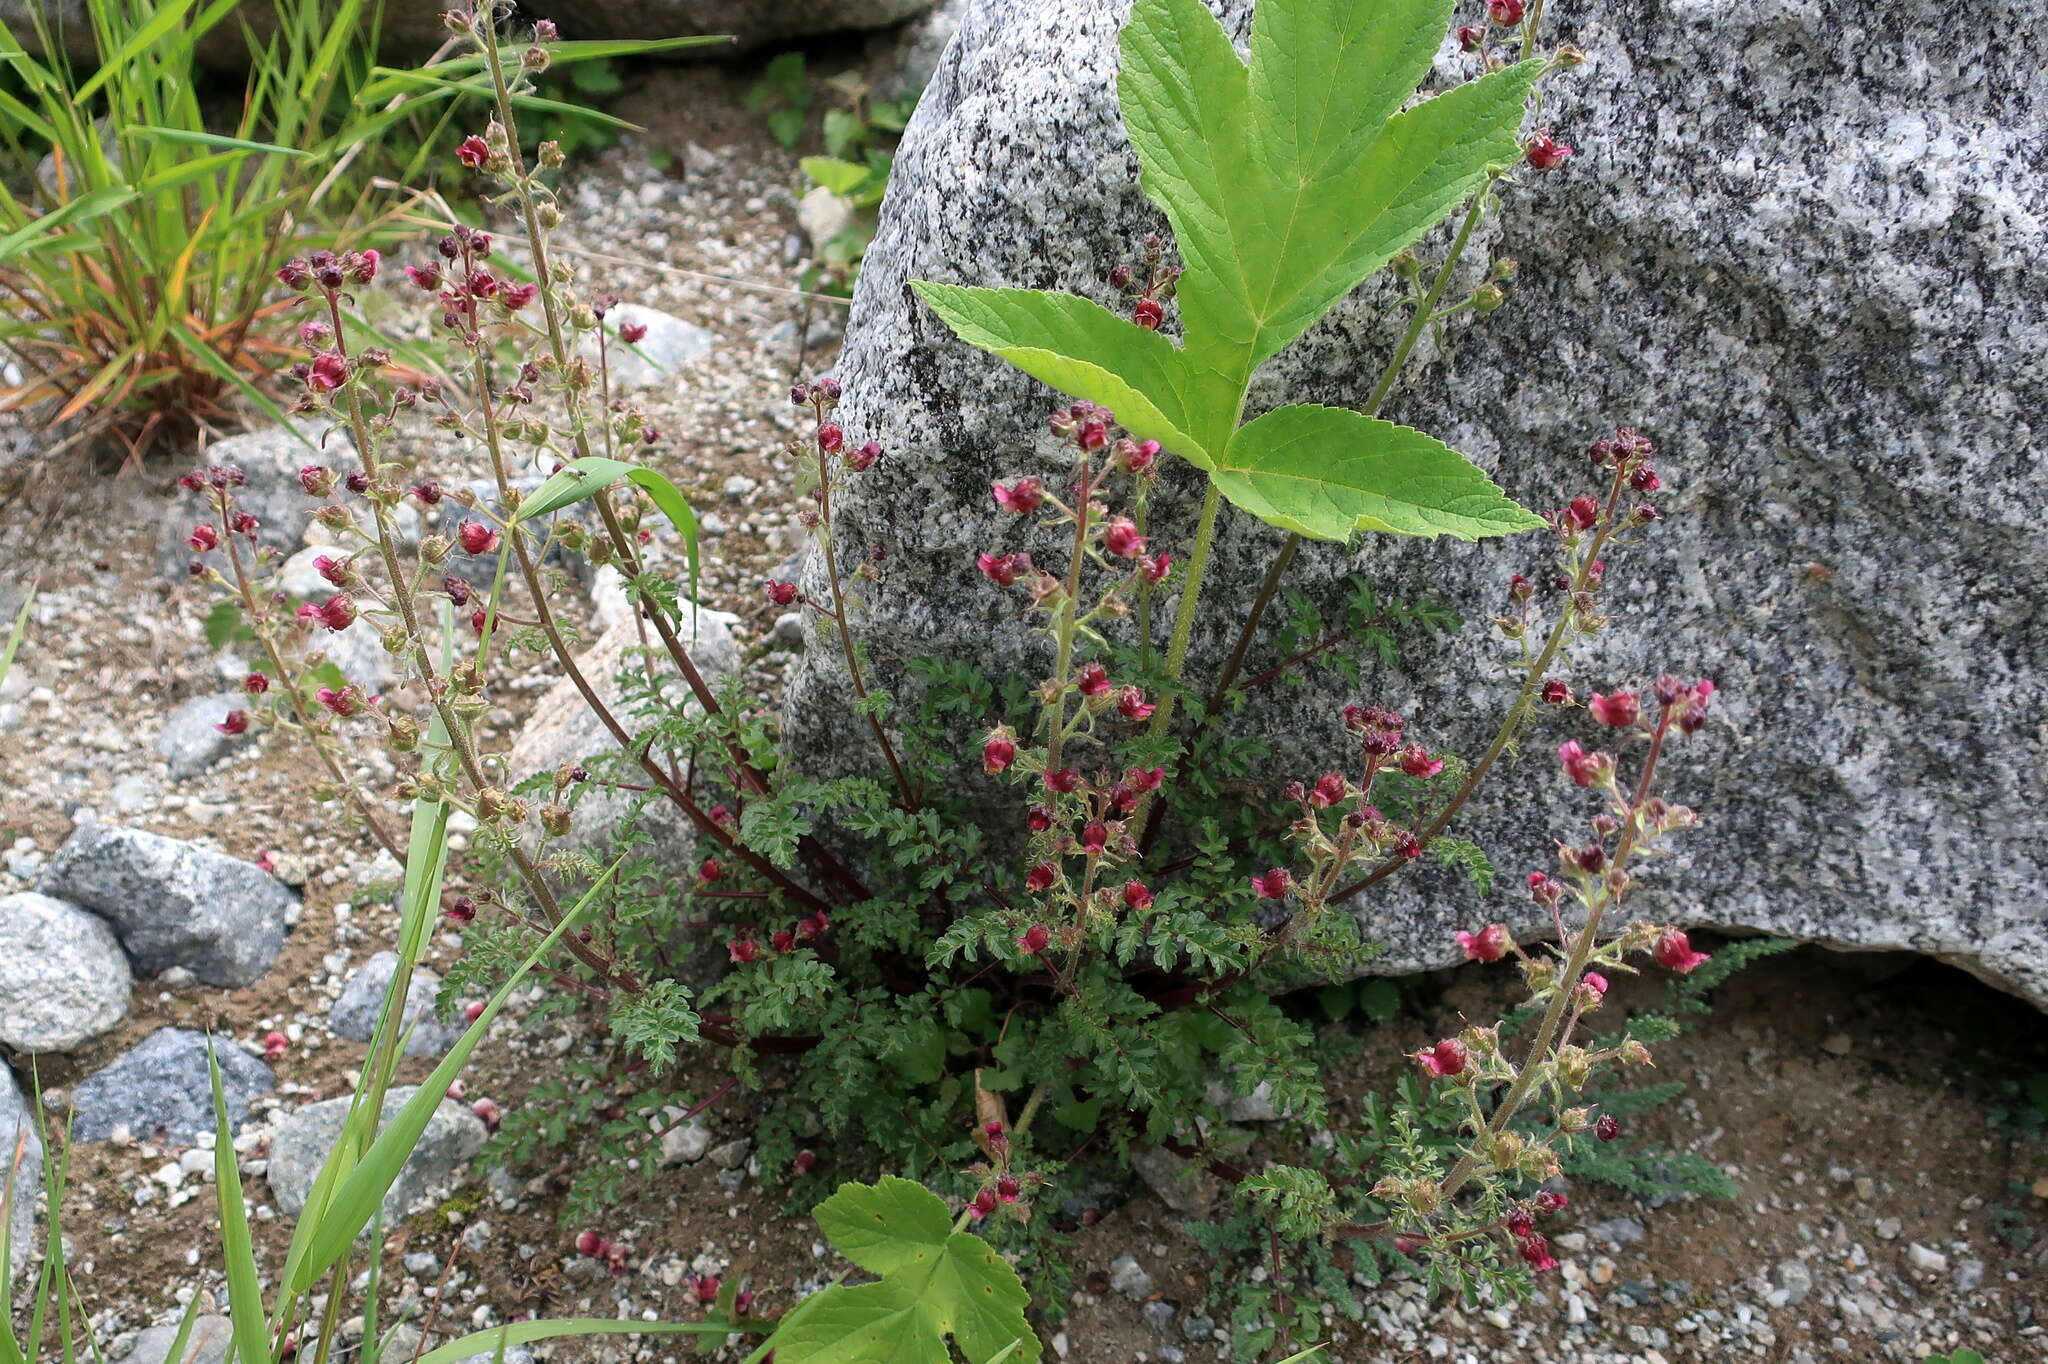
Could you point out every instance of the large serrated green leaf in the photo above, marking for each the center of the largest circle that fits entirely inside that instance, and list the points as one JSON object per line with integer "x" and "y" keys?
{"x": 936, "y": 1284}
{"x": 1287, "y": 183}
{"x": 1328, "y": 472}
{"x": 1082, "y": 348}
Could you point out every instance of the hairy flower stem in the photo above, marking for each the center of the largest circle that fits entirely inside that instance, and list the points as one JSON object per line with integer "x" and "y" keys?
{"x": 747, "y": 775}
{"x": 1582, "y": 950}
{"x": 1269, "y": 586}
{"x": 904, "y": 789}
{"x": 297, "y": 699}
{"x": 1063, "y": 629}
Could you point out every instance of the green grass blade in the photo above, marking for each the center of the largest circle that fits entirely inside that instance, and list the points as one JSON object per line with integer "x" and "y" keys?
{"x": 14, "y": 638}
{"x": 245, "y": 1297}
{"x": 189, "y": 137}
{"x": 362, "y": 1192}
{"x": 82, "y": 209}
{"x": 526, "y": 1332}
{"x": 592, "y": 475}
{"x": 163, "y": 22}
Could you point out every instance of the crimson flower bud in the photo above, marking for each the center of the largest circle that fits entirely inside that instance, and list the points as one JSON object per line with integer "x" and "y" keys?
{"x": 235, "y": 722}
{"x": 1583, "y": 514}
{"x": 1407, "y": 846}
{"x": 984, "y": 1203}
{"x": 743, "y": 950}
{"x": 831, "y": 437}
{"x": 1506, "y": 13}
{"x": 1416, "y": 762}
{"x": 1034, "y": 939}
{"x": 337, "y": 613}
{"x": 1149, "y": 313}
{"x": 1548, "y": 1202}
{"x": 1019, "y": 498}
{"x": 863, "y": 459}
{"x": 1040, "y": 877}
{"x": 1120, "y": 537}
{"x": 1094, "y": 434}
{"x": 1545, "y": 152}
{"x": 1585, "y": 769}
{"x": 782, "y": 940}
{"x": 316, "y": 479}
{"x": 1271, "y": 886}
{"x": 275, "y": 1045}
{"x": 1094, "y": 838}
{"x": 805, "y": 1162}
{"x": 477, "y": 538}
{"x": 1001, "y": 569}
{"x": 1143, "y": 779}
{"x": 1330, "y": 788}
{"x": 1536, "y": 1253}
{"x": 461, "y": 909}
{"x": 1131, "y": 703}
{"x": 1445, "y": 1059}
{"x": 517, "y": 296}
{"x": 711, "y": 869}
{"x": 1607, "y": 1128}
{"x": 1039, "y": 819}
{"x": 590, "y": 1243}
{"x": 1063, "y": 780}
{"x": 1489, "y": 944}
{"x": 782, "y": 593}
{"x": 1092, "y": 680}
{"x": 1674, "y": 952}
{"x": 997, "y": 754}
{"x": 203, "y": 538}
{"x": 473, "y": 152}
{"x": 256, "y": 684}
{"x": 1521, "y": 1223}
{"x": 1556, "y": 693}
{"x": 328, "y": 373}
{"x": 1136, "y": 895}
{"x": 1543, "y": 889}
{"x": 1154, "y": 569}
{"x": 1619, "y": 710}
{"x": 1471, "y": 38}
{"x": 295, "y": 273}
{"x": 473, "y": 1010}
{"x": 426, "y": 278}
{"x": 632, "y": 333}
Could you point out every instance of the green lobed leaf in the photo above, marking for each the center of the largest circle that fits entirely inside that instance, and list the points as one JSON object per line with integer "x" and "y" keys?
{"x": 935, "y": 1283}
{"x": 1327, "y": 472}
{"x": 587, "y": 477}
{"x": 1082, "y": 348}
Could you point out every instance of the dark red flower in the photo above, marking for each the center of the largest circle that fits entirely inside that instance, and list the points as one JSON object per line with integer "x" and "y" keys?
{"x": 1034, "y": 939}
{"x": 236, "y": 722}
{"x": 473, "y": 152}
{"x": 1271, "y": 886}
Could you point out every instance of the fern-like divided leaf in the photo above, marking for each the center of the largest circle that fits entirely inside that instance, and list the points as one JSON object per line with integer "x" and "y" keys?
{"x": 934, "y": 1284}
{"x": 1287, "y": 183}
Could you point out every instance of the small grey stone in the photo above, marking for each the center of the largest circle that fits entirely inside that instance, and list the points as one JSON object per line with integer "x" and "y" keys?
{"x": 513, "y": 1354}
{"x": 1198, "y": 1329}
{"x": 423, "y": 1262}
{"x": 1256, "y": 1106}
{"x": 1794, "y": 1280}
{"x": 17, "y": 1114}
{"x": 270, "y": 460}
{"x": 1926, "y": 1258}
{"x": 63, "y": 978}
{"x": 686, "y": 1144}
{"x": 189, "y": 742}
{"x": 1159, "y": 1315}
{"x": 174, "y": 903}
{"x": 787, "y": 632}
{"x": 731, "y": 1154}
{"x": 162, "y": 1088}
{"x": 1969, "y": 1274}
{"x": 354, "y": 1015}
{"x": 670, "y": 344}
{"x": 1182, "y": 1185}
{"x": 209, "y": 1343}
{"x": 1129, "y": 1278}
{"x": 130, "y": 796}
{"x": 452, "y": 1138}
{"x": 1889, "y": 1228}
{"x": 1620, "y": 1231}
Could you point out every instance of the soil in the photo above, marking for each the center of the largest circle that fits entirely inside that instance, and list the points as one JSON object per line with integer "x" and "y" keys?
{"x": 1854, "y": 1102}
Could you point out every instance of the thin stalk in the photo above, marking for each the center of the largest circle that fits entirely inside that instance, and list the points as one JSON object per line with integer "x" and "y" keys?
{"x": 1064, "y": 629}
{"x": 853, "y": 673}
{"x": 1575, "y": 965}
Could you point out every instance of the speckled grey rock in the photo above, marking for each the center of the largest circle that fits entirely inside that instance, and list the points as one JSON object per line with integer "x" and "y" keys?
{"x": 670, "y": 345}
{"x": 63, "y": 978}
{"x": 161, "y": 1090}
{"x": 18, "y": 1114}
{"x": 189, "y": 742}
{"x": 1801, "y": 256}
{"x": 563, "y": 730}
{"x": 174, "y": 903}
{"x": 270, "y": 459}
{"x": 453, "y": 1137}
{"x": 211, "y": 1339}
{"x": 354, "y": 1015}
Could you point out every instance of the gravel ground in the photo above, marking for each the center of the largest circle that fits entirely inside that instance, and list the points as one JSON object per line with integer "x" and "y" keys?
{"x": 1882, "y": 1205}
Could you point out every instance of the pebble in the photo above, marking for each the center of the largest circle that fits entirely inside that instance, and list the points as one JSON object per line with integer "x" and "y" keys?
{"x": 788, "y": 632}
{"x": 1129, "y": 1278}
{"x": 686, "y": 1144}
{"x": 1921, "y": 1257}
{"x": 1794, "y": 1282}
{"x": 1889, "y": 1228}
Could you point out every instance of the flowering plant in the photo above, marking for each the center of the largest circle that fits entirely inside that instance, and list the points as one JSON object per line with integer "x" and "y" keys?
{"x": 881, "y": 954}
